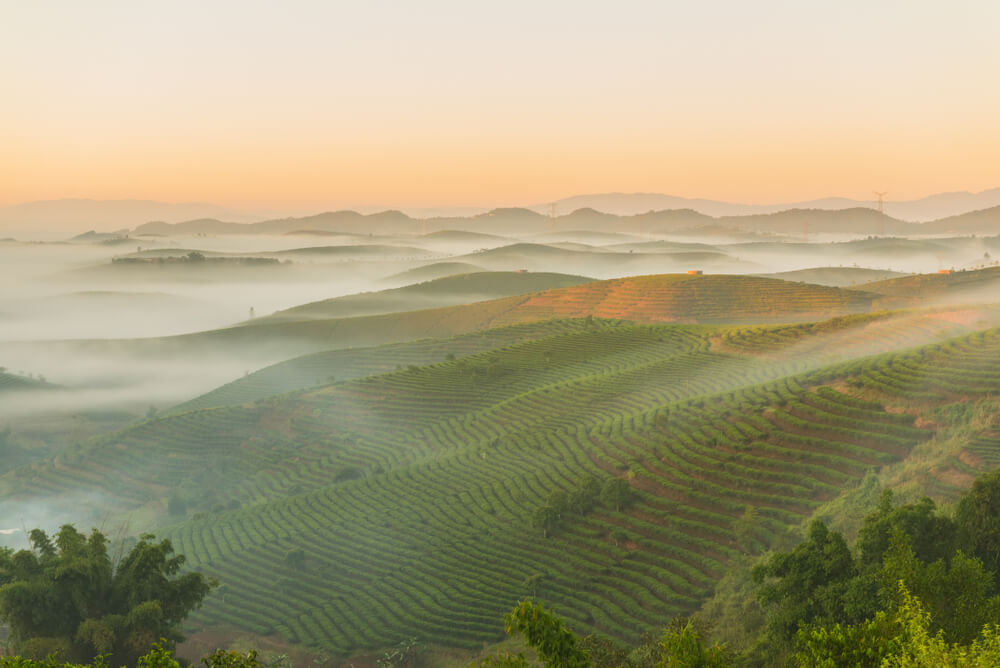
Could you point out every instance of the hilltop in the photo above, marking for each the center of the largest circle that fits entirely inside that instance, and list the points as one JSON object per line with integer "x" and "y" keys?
{"x": 961, "y": 286}
{"x": 451, "y": 290}
{"x": 687, "y": 298}
{"x": 932, "y": 207}
{"x": 838, "y": 277}
{"x": 18, "y": 382}
{"x": 643, "y": 299}
{"x": 432, "y": 271}
{"x": 789, "y": 220}
{"x": 983, "y": 221}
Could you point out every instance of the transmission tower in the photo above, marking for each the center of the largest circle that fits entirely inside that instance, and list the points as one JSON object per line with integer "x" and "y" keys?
{"x": 552, "y": 216}
{"x": 881, "y": 208}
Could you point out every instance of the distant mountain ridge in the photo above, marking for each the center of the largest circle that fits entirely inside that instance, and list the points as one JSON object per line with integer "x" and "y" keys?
{"x": 963, "y": 213}
{"x": 797, "y": 223}
{"x": 932, "y": 207}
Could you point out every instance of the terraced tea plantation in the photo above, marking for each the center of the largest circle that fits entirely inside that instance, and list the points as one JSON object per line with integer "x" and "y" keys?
{"x": 687, "y": 298}
{"x": 610, "y": 469}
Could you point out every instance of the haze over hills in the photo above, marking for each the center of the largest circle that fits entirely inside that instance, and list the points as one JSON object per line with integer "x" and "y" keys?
{"x": 932, "y": 207}
{"x": 798, "y": 222}
{"x": 364, "y": 428}
{"x": 76, "y": 215}
{"x": 595, "y": 212}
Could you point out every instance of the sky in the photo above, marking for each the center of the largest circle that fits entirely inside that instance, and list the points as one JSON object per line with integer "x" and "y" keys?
{"x": 308, "y": 105}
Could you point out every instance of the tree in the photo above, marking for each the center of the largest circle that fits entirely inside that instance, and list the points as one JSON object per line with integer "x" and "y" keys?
{"x": 296, "y": 559}
{"x": 559, "y": 501}
{"x": 807, "y": 585}
{"x": 582, "y": 499}
{"x": 545, "y": 518}
{"x": 531, "y": 582}
{"x": 616, "y": 493}
{"x": 931, "y": 536}
{"x": 682, "y": 646}
{"x": 978, "y": 521}
{"x": 67, "y": 597}
{"x": 544, "y": 632}
{"x": 904, "y": 639}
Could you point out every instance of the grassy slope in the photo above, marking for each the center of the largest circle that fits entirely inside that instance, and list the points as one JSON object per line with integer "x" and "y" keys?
{"x": 448, "y": 291}
{"x": 12, "y": 382}
{"x": 646, "y": 299}
{"x": 930, "y": 286}
{"x": 685, "y": 298}
{"x": 399, "y": 488}
{"x": 321, "y": 368}
{"x": 837, "y": 338}
{"x": 429, "y": 272}
{"x": 838, "y": 277}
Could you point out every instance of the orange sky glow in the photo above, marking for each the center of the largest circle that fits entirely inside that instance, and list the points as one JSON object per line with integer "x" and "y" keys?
{"x": 324, "y": 105}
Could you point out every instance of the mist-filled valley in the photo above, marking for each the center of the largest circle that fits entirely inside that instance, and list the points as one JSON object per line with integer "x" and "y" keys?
{"x": 397, "y": 428}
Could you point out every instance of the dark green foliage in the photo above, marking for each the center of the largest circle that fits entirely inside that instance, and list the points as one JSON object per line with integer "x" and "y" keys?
{"x": 156, "y": 657}
{"x": 955, "y": 592}
{"x": 605, "y": 652}
{"x": 616, "y": 493}
{"x": 931, "y": 536}
{"x": 545, "y": 518}
{"x": 836, "y": 605}
{"x": 978, "y": 521}
{"x": 807, "y": 585}
{"x": 67, "y": 597}
{"x": 295, "y": 558}
{"x": 545, "y": 633}
{"x": 683, "y": 646}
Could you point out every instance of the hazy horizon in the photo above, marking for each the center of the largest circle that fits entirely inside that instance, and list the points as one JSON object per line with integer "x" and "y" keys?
{"x": 450, "y": 105}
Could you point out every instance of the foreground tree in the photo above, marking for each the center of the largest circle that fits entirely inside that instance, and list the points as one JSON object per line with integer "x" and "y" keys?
{"x": 67, "y": 597}
{"x": 902, "y": 639}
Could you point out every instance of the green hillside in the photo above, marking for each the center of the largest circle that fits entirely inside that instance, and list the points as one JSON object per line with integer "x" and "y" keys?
{"x": 838, "y": 277}
{"x": 321, "y": 368}
{"x": 838, "y": 338}
{"x": 429, "y": 272}
{"x": 981, "y": 283}
{"x": 391, "y": 492}
{"x": 13, "y": 382}
{"x": 646, "y": 299}
{"x": 448, "y": 291}
{"x": 688, "y": 298}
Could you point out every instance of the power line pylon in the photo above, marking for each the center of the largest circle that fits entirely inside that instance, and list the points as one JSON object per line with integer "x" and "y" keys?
{"x": 881, "y": 209}
{"x": 552, "y": 217}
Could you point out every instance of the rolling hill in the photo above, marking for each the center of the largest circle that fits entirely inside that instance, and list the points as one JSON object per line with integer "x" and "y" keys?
{"x": 687, "y": 298}
{"x": 397, "y": 489}
{"x": 429, "y": 272}
{"x": 448, "y": 291}
{"x": 644, "y": 299}
{"x": 837, "y": 277}
{"x": 16, "y": 382}
{"x": 977, "y": 285}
